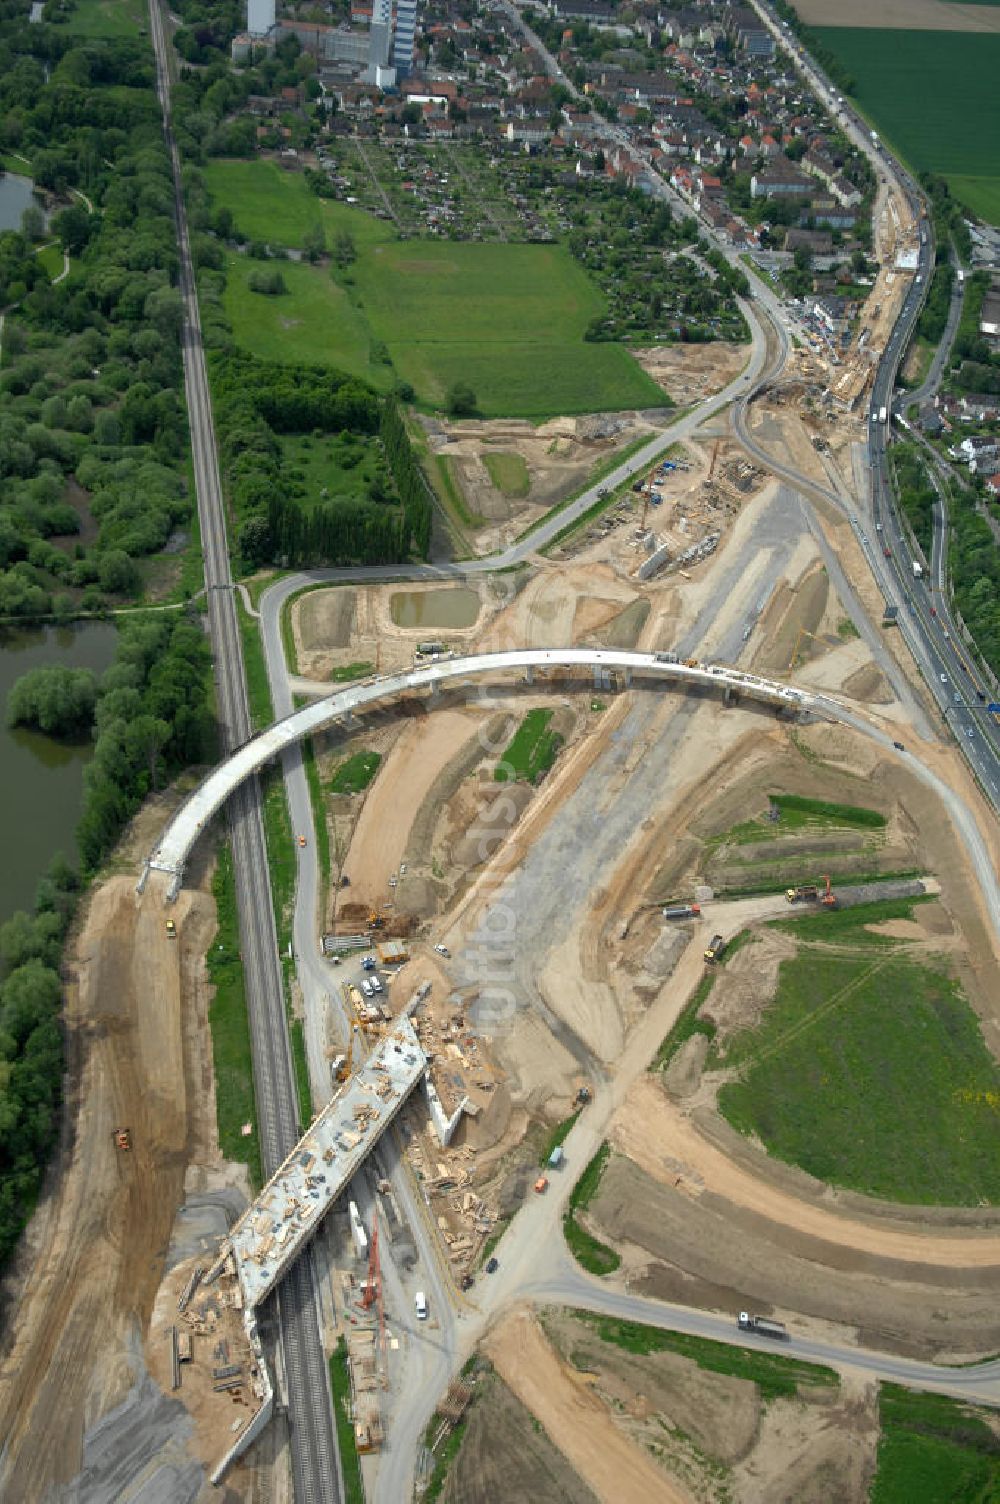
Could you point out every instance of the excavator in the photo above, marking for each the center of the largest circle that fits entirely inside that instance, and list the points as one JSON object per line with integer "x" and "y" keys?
{"x": 829, "y": 899}
{"x": 345, "y": 1064}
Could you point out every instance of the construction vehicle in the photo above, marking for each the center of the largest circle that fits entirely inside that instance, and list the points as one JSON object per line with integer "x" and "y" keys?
{"x": 829, "y": 899}
{"x": 344, "y": 1064}
{"x": 123, "y": 1139}
{"x": 583, "y": 1096}
{"x": 376, "y": 919}
{"x": 541, "y": 1185}
{"x": 763, "y": 1326}
{"x": 918, "y": 570}
{"x": 682, "y": 911}
{"x": 171, "y": 930}
{"x": 804, "y": 893}
{"x": 714, "y": 948}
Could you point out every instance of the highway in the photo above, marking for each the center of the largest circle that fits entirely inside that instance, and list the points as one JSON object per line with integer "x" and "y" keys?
{"x": 315, "y": 1460}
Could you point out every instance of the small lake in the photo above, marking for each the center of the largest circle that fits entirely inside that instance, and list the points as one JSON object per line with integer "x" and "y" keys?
{"x": 452, "y": 606}
{"x": 16, "y": 194}
{"x": 41, "y": 780}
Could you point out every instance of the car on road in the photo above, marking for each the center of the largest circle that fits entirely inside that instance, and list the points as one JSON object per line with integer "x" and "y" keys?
{"x": 944, "y": 678}
{"x": 492, "y": 1265}
{"x": 442, "y": 950}
{"x": 302, "y": 840}
{"x": 969, "y": 732}
{"x": 899, "y": 746}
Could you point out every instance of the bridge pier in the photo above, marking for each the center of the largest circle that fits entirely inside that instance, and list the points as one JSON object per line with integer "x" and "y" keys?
{"x": 729, "y": 696}
{"x": 529, "y": 674}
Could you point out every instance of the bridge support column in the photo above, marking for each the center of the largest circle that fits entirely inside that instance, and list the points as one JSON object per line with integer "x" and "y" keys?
{"x": 626, "y": 678}
{"x": 435, "y": 692}
{"x": 529, "y": 674}
{"x": 729, "y": 695}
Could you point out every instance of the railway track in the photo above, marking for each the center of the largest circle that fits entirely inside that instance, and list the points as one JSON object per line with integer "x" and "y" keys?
{"x": 315, "y": 1460}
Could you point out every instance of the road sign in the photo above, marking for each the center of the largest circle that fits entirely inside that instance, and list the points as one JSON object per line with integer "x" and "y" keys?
{"x": 993, "y": 709}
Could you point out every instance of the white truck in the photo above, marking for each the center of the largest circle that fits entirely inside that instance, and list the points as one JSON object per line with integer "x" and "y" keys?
{"x": 918, "y": 570}
{"x": 883, "y": 414}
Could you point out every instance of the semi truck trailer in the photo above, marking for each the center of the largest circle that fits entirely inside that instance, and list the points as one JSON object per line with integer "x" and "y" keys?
{"x": 763, "y": 1326}
{"x": 682, "y": 911}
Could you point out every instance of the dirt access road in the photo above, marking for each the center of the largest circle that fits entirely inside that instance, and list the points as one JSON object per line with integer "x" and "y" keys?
{"x": 574, "y": 1418}
{"x": 97, "y": 1250}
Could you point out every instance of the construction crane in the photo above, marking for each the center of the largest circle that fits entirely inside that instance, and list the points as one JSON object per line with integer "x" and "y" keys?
{"x": 829, "y": 899}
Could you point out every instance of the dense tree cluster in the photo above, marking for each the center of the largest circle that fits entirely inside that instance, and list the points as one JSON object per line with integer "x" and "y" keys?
{"x": 935, "y": 311}
{"x": 974, "y": 565}
{"x": 916, "y": 492}
{"x": 209, "y": 99}
{"x": 151, "y": 718}
{"x": 92, "y": 425}
{"x": 414, "y": 492}
{"x": 31, "y": 1047}
{"x": 56, "y": 700}
{"x": 258, "y": 400}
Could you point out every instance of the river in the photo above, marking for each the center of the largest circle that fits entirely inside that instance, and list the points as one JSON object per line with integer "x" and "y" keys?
{"x": 41, "y": 780}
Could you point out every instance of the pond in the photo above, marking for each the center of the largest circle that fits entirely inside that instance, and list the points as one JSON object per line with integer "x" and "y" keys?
{"x": 16, "y": 194}
{"x": 452, "y": 606}
{"x": 41, "y": 780}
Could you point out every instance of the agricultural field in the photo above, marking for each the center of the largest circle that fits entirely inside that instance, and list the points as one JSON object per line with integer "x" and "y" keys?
{"x": 933, "y": 96}
{"x": 825, "y": 1078}
{"x": 508, "y": 320}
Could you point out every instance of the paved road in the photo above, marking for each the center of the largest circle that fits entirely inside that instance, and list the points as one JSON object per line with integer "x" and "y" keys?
{"x": 939, "y": 360}
{"x": 315, "y": 1458}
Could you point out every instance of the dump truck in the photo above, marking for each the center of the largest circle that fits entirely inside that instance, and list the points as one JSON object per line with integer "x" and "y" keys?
{"x": 541, "y": 1185}
{"x": 763, "y": 1326}
{"x": 714, "y": 948}
{"x": 171, "y": 930}
{"x": 682, "y": 911}
{"x": 804, "y": 893}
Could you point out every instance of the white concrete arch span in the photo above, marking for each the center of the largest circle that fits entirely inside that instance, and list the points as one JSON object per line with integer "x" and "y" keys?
{"x": 198, "y": 810}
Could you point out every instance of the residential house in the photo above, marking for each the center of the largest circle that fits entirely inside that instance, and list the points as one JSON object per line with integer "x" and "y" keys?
{"x": 780, "y": 179}
{"x": 832, "y": 312}
{"x": 979, "y": 451}
{"x": 989, "y": 318}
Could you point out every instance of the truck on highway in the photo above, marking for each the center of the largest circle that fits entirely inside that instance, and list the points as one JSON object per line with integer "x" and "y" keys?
{"x": 714, "y": 948}
{"x": 804, "y": 893}
{"x": 918, "y": 570}
{"x": 682, "y": 911}
{"x": 883, "y": 414}
{"x": 763, "y": 1326}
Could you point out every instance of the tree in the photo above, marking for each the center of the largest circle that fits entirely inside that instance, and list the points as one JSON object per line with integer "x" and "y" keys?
{"x": 314, "y": 243}
{"x": 461, "y": 400}
{"x": 33, "y": 222}
{"x": 117, "y": 573}
{"x": 344, "y": 250}
{"x": 56, "y": 700}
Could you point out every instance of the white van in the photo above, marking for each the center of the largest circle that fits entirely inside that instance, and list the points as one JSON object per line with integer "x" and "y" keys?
{"x": 366, "y": 987}
{"x": 420, "y": 1301}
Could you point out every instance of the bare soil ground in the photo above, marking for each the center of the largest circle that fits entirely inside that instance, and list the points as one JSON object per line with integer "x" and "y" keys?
{"x": 903, "y": 15}
{"x": 559, "y": 456}
{"x": 618, "y": 1470}
{"x": 692, "y": 372}
{"x": 102, "y": 1234}
{"x": 506, "y": 1455}
{"x": 713, "y": 1432}
{"x": 658, "y": 1134}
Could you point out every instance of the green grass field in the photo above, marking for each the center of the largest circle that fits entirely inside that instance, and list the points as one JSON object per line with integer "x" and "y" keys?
{"x": 313, "y": 321}
{"x": 508, "y": 320}
{"x": 869, "y": 1070}
{"x": 933, "y": 1450}
{"x": 271, "y": 204}
{"x": 356, "y": 773}
{"x": 227, "y": 1019}
{"x": 594, "y": 1256}
{"x": 531, "y": 751}
{"x": 508, "y": 472}
{"x": 933, "y": 95}
{"x": 108, "y": 18}
{"x": 342, "y": 466}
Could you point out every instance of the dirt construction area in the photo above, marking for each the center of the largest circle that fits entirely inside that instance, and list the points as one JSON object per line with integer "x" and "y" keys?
{"x": 97, "y": 1247}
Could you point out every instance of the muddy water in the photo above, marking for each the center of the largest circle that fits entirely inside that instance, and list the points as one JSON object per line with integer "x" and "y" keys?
{"x": 41, "y": 780}
{"x": 453, "y": 606}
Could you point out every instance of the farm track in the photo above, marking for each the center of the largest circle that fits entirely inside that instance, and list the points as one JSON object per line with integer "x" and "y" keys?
{"x": 315, "y": 1460}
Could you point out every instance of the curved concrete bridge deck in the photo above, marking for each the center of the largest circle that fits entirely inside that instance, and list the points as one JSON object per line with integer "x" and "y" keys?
{"x": 196, "y": 813}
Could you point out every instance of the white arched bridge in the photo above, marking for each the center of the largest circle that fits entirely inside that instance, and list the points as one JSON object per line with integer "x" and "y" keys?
{"x": 198, "y": 810}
